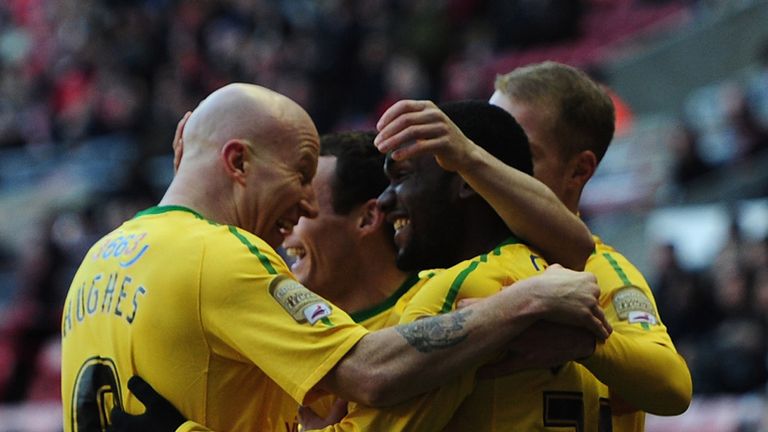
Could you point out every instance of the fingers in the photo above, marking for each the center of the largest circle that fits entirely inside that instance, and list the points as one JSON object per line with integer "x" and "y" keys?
{"x": 338, "y": 411}
{"x": 600, "y": 314}
{"x": 116, "y": 418}
{"x": 410, "y": 135}
{"x": 463, "y": 303}
{"x": 399, "y": 108}
{"x": 143, "y": 391}
{"x": 309, "y": 419}
{"x": 409, "y": 128}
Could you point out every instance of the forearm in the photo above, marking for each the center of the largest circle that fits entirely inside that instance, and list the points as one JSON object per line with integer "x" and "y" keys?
{"x": 391, "y": 365}
{"x": 545, "y": 222}
{"x": 648, "y": 375}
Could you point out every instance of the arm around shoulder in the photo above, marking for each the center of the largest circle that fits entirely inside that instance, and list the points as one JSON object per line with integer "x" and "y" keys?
{"x": 545, "y": 222}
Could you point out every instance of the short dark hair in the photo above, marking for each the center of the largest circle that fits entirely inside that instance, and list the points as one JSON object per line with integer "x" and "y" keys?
{"x": 582, "y": 114}
{"x": 359, "y": 174}
{"x": 493, "y": 129}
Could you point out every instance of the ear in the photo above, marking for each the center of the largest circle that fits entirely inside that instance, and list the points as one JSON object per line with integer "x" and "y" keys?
{"x": 370, "y": 217}
{"x": 583, "y": 167}
{"x": 234, "y": 155}
{"x": 465, "y": 190}
{"x": 178, "y": 152}
{"x": 178, "y": 142}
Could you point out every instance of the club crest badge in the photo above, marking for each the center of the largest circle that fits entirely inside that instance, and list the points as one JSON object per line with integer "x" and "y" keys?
{"x": 301, "y": 304}
{"x": 634, "y": 306}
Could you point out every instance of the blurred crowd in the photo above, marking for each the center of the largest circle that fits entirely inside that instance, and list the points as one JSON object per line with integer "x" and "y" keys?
{"x": 70, "y": 69}
{"x": 75, "y": 70}
{"x": 718, "y": 315}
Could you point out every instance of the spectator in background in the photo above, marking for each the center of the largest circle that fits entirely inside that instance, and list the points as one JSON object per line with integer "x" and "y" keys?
{"x": 687, "y": 165}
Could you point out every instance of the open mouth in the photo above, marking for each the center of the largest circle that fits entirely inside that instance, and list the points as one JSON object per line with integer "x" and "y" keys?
{"x": 400, "y": 223}
{"x": 297, "y": 252}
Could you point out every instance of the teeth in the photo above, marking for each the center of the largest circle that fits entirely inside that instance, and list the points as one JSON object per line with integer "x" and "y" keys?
{"x": 295, "y": 251}
{"x": 400, "y": 223}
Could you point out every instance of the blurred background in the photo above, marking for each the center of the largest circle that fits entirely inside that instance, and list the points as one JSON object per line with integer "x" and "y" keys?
{"x": 91, "y": 90}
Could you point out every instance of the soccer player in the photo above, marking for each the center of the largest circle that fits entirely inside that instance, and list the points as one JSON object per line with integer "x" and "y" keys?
{"x": 439, "y": 219}
{"x": 569, "y": 121}
{"x": 192, "y": 295}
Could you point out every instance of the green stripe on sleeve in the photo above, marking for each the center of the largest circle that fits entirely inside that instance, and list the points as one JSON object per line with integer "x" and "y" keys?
{"x": 456, "y": 286}
{"x": 254, "y": 250}
{"x": 617, "y": 268}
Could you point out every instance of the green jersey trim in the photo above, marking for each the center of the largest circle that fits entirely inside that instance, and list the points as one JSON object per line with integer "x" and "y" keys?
{"x": 254, "y": 250}
{"x": 363, "y": 315}
{"x": 617, "y": 268}
{"x": 453, "y": 291}
{"x": 165, "y": 209}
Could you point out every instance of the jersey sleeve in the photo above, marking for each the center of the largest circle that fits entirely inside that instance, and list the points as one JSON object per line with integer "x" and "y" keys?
{"x": 638, "y": 361}
{"x": 253, "y": 310}
{"x": 480, "y": 277}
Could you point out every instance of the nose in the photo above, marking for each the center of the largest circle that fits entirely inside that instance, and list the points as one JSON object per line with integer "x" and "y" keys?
{"x": 386, "y": 200}
{"x": 308, "y": 206}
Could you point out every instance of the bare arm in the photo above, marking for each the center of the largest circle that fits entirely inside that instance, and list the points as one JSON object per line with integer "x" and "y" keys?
{"x": 529, "y": 208}
{"x": 394, "y": 364}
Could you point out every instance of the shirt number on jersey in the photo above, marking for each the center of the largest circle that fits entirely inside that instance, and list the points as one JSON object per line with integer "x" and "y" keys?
{"x": 566, "y": 409}
{"x": 96, "y": 392}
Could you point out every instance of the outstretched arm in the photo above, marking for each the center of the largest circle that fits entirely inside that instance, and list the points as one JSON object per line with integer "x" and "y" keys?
{"x": 529, "y": 208}
{"x": 394, "y": 364}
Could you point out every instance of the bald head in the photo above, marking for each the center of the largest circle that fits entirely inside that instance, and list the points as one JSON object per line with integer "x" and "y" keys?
{"x": 241, "y": 111}
{"x": 249, "y": 155}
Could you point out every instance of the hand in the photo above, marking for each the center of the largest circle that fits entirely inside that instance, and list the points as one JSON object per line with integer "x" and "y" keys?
{"x": 178, "y": 141}
{"x": 543, "y": 345}
{"x": 412, "y": 128}
{"x": 310, "y": 420}
{"x": 159, "y": 415}
{"x": 567, "y": 297}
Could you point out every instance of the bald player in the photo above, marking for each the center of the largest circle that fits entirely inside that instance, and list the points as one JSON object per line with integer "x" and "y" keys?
{"x": 192, "y": 296}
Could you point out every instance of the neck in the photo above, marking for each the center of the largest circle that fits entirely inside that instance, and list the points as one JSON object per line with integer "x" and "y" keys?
{"x": 200, "y": 197}
{"x": 371, "y": 279}
{"x": 483, "y": 231}
{"x": 571, "y": 200}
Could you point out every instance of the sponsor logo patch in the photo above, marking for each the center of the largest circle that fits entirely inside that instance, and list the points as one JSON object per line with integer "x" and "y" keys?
{"x": 301, "y": 304}
{"x": 641, "y": 317}
{"x": 633, "y": 305}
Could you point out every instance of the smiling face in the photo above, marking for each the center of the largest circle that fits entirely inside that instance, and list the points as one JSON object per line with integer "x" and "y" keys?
{"x": 420, "y": 203}
{"x": 322, "y": 245}
{"x": 279, "y": 190}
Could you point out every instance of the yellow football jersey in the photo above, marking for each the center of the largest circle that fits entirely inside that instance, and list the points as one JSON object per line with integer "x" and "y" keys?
{"x": 558, "y": 399}
{"x": 207, "y": 313}
{"x": 631, "y": 310}
{"x": 553, "y": 400}
{"x": 384, "y": 314}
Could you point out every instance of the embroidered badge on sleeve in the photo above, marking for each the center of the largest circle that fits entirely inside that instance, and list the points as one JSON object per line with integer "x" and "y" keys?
{"x": 301, "y": 304}
{"x": 634, "y": 306}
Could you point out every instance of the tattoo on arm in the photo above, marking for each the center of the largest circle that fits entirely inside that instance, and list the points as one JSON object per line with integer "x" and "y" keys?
{"x": 439, "y": 332}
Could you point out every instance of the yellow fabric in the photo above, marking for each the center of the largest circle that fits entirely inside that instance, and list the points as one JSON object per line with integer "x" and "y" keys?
{"x": 191, "y": 426}
{"x": 510, "y": 403}
{"x": 378, "y": 317}
{"x": 632, "y": 353}
{"x": 185, "y": 303}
